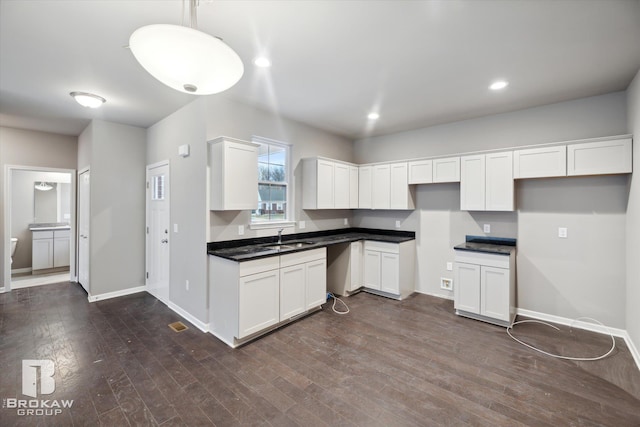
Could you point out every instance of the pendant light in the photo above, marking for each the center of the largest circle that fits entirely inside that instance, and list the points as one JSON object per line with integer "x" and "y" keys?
{"x": 186, "y": 59}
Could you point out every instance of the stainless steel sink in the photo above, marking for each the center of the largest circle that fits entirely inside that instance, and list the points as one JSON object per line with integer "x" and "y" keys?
{"x": 288, "y": 246}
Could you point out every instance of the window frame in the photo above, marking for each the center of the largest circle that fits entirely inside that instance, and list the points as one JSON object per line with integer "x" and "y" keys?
{"x": 288, "y": 212}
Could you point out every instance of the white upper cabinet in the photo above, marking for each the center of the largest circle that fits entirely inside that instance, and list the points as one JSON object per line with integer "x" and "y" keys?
{"x": 401, "y": 196}
{"x": 233, "y": 174}
{"x": 542, "y": 162}
{"x": 365, "y": 177}
{"x": 599, "y": 158}
{"x": 327, "y": 184}
{"x": 381, "y": 189}
{"x": 353, "y": 187}
{"x": 421, "y": 172}
{"x": 487, "y": 182}
{"x": 446, "y": 170}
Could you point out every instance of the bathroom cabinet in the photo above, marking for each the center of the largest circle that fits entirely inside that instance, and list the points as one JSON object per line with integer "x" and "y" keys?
{"x": 50, "y": 249}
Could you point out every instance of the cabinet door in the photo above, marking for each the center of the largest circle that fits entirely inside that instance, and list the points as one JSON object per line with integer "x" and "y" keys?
{"x": 341, "y": 186}
{"x": 325, "y": 184}
{"x": 381, "y": 189}
{"x": 258, "y": 304}
{"x": 446, "y": 170}
{"x": 421, "y": 172}
{"x": 472, "y": 183}
{"x": 466, "y": 287}
{"x": 399, "y": 187}
{"x": 353, "y": 187}
{"x": 241, "y": 176}
{"x": 355, "y": 266}
{"x": 316, "y": 280}
{"x": 599, "y": 158}
{"x": 494, "y": 293}
{"x": 499, "y": 181}
{"x": 61, "y": 251}
{"x": 390, "y": 273}
{"x": 364, "y": 187}
{"x": 540, "y": 162}
{"x": 372, "y": 269}
{"x": 42, "y": 254}
{"x": 292, "y": 291}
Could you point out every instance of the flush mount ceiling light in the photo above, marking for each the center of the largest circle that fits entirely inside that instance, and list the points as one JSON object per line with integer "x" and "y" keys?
{"x": 43, "y": 186}
{"x": 373, "y": 116}
{"x": 499, "y": 84}
{"x": 262, "y": 62}
{"x": 186, "y": 59}
{"x": 88, "y": 100}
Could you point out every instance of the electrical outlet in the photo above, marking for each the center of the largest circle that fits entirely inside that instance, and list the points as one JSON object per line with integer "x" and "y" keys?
{"x": 186, "y": 284}
{"x": 446, "y": 284}
{"x": 449, "y": 266}
{"x": 301, "y": 225}
{"x": 241, "y": 230}
{"x": 562, "y": 232}
{"x": 487, "y": 228}
{"x": 175, "y": 228}
{"x": 397, "y": 224}
{"x": 346, "y": 221}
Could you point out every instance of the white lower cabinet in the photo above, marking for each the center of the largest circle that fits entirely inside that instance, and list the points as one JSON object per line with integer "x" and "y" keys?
{"x": 389, "y": 268}
{"x": 49, "y": 249}
{"x": 250, "y": 297}
{"x": 484, "y": 287}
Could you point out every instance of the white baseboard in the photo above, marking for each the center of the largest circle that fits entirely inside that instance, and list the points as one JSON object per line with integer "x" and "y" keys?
{"x": 2, "y": 290}
{"x": 115, "y": 294}
{"x": 204, "y": 327}
{"x": 443, "y": 296}
{"x": 21, "y": 270}
{"x": 593, "y": 327}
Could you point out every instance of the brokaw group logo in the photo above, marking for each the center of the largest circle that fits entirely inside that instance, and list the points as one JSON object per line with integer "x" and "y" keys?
{"x": 30, "y": 377}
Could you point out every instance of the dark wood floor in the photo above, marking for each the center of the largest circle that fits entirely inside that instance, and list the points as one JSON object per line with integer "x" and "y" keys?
{"x": 387, "y": 363}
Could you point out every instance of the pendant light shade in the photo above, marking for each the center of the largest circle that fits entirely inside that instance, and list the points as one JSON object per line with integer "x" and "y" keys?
{"x": 186, "y": 59}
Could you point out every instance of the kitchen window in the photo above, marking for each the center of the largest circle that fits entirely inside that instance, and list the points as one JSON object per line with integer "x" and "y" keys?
{"x": 274, "y": 172}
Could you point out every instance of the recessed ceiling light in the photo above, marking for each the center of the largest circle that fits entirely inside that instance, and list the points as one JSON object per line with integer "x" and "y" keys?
{"x": 88, "y": 99}
{"x": 499, "y": 84}
{"x": 373, "y": 116}
{"x": 262, "y": 62}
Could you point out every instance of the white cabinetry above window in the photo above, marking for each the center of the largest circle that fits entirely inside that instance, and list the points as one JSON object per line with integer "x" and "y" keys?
{"x": 233, "y": 174}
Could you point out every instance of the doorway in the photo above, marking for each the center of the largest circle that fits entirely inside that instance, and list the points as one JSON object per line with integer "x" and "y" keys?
{"x": 158, "y": 223}
{"x": 39, "y": 226}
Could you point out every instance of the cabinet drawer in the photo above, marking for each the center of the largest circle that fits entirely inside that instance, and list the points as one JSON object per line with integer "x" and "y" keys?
{"x": 393, "y": 248}
{"x": 259, "y": 265}
{"x": 61, "y": 233}
{"x": 48, "y": 234}
{"x": 302, "y": 257}
{"x": 482, "y": 258}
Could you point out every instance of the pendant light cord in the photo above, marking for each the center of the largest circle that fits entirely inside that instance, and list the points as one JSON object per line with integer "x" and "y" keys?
{"x": 193, "y": 13}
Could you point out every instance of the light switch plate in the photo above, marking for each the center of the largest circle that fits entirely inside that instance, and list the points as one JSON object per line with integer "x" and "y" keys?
{"x": 449, "y": 266}
{"x": 301, "y": 225}
{"x": 397, "y": 224}
{"x": 562, "y": 232}
{"x": 487, "y": 228}
{"x": 175, "y": 228}
{"x": 241, "y": 230}
{"x": 346, "y": 221}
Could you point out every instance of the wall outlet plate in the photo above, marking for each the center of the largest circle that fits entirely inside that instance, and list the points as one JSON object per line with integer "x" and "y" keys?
{"x": 562, "y": 232}
{"x": 446, "y": 284}
{"x": 398, "y": 224}
{"x": 301, "y": 225}
{"x": 449, "y": 266}
{"x": 346, "y": 221}
{"x": 240, "y": 230}
{"x": 487, "y": 228}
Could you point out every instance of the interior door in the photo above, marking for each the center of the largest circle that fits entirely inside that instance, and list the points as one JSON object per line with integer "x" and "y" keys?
{"x": 84, "y": 197}
{"x": 158, "y": 222}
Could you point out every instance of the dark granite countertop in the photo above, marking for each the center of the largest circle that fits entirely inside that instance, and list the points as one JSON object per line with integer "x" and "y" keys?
{"x": 249, "y": 249}
{"x": 491, "y": 245}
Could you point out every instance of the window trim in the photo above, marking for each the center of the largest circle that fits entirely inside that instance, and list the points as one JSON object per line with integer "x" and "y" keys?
{"x": 289, "y": 221}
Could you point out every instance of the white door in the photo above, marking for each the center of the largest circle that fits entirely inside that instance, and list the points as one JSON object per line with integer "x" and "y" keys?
{"x": 158, "y": 222}
{"x": 84, "y": 193}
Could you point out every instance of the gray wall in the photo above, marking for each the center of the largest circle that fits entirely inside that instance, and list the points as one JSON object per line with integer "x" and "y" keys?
{"x": 116, "y": 154}
{"x": 633, "y": 218}
{"x": 202, "y": 120}
{"x": 583, "y": 275}
{"x": 22, "y": 209}
{"x": 30, "y": 148}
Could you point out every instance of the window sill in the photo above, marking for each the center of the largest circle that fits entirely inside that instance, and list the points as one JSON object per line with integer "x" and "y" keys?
{"x": 268, "y": 225}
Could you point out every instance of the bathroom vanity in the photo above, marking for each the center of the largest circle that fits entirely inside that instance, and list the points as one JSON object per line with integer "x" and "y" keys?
{"x": 49, "y": 246}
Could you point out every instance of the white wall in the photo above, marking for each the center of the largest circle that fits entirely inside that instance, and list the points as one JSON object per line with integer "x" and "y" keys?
{"x": 30, "y": 148}
{"x": 116, "y": 154}
{"x": 633, "y": 218}
{"x": 583, "y": 275}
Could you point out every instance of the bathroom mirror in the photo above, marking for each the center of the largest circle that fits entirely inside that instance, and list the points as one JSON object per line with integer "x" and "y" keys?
{"x": 52, "y": 205}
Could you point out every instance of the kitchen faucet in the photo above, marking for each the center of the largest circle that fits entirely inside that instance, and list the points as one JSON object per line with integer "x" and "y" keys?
{"x": 280, "y": 230}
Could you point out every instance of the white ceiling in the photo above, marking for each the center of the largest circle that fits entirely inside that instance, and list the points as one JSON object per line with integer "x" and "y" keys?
{"x": 418, "y": 63}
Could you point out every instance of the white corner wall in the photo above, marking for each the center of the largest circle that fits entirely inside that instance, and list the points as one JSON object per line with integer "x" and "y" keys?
{"x": 633, "y": 220}
{"x": 583, "y": 275}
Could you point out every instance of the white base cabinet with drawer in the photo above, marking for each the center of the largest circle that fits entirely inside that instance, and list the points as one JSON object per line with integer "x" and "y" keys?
{"x": 389, "y": 268}
{"x": 250, "y": 298}
{"x": 484, "y": 287}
